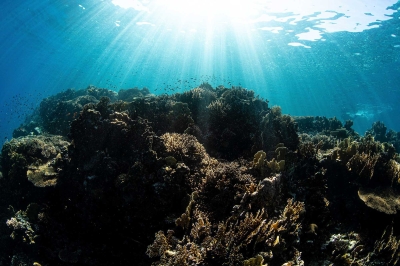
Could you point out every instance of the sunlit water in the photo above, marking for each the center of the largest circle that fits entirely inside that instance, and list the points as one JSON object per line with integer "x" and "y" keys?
{"x": 327, "y": 58}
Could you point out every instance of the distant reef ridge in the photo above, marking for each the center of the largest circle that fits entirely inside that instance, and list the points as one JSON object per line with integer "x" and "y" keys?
{"x": 210, "y": 176}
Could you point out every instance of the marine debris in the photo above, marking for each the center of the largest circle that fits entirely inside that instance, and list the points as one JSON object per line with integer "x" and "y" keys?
{"x": 211, "y": 176}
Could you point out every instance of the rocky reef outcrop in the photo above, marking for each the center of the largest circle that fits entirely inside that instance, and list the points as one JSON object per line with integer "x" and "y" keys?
{"x": 211, "y": 176}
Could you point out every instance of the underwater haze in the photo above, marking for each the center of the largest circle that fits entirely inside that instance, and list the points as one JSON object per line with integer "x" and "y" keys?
{"x": 312, "y": 58}
{"x": 200, "y": 132}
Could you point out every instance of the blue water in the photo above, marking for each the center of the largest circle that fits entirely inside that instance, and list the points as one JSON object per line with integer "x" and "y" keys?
{"x": 314, "y": 59}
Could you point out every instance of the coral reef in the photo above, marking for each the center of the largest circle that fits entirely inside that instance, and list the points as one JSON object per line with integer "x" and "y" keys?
{"x": 130, "y": 94}
{"x": 278, "y": 128}
{"x": 57, "y": 112}
{"x": 227, "y": 243}
{"x": 327, "y": 126}
{"x": 380, "y": 133}
{"x": 211, "y": 176}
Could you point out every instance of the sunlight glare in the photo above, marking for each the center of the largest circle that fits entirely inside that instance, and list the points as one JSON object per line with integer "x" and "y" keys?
{"x": 328, "y": 16}
{"x": 195, "y": 10}
{"x": 135, "y": 4}
{"x": 213, "y": 9}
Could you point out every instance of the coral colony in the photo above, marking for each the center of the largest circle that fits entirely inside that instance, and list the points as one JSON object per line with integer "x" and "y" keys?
{"x": 211, "y": 176}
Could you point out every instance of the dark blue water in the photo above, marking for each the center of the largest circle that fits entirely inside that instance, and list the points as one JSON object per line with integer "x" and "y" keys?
{"x": 347, "y": 65}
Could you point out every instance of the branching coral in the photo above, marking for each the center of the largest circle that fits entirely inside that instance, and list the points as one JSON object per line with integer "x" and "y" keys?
{"x": 22, "y": 227}
{"x": 276, "y": 166}
{"x": 388, "y": 247}
{"x": 201, "y": 228}
{"x": 184, "y": 147}
{"x": 184, "y": 220}
{"x": 160, "y": 246}
{"x": 218, "y": 109}
{"x": 231, "y": 241}
{"x": 363, "y": 164}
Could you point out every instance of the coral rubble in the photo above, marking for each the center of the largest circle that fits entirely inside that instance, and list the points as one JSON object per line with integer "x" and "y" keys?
{"x": 211, "y": 176}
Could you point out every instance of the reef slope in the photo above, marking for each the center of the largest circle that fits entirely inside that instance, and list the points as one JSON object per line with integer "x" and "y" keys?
{"x": 211, "y": 176}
